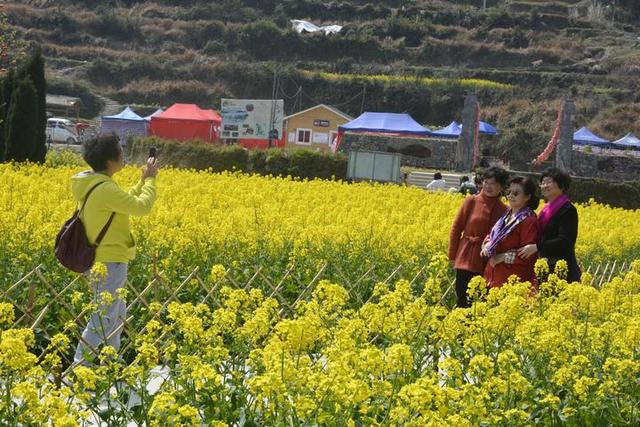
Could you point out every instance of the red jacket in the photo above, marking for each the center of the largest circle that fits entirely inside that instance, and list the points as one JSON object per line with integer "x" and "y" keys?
{"x": 472, "y": 224}
{"x": 526, "y": 232}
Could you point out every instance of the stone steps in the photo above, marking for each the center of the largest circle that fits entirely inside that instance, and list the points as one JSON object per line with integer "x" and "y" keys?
{"x": 111, "y": 107}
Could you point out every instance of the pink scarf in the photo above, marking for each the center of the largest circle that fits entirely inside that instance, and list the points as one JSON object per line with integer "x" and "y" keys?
{"x": 550, "y": 209}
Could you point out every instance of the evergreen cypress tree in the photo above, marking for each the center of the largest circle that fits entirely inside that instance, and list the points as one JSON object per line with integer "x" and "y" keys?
{"x": 6, "y": 89}
{"x": 3, "y": 118}
{"x": 34, "y": 70}
{"x": 21, "y": 127}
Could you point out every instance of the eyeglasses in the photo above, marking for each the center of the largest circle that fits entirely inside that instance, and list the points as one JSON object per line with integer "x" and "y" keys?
{"x": 513, "y": 193}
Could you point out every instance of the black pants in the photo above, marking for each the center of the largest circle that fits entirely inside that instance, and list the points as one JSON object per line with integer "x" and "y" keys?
{"x": 463, "y": 277}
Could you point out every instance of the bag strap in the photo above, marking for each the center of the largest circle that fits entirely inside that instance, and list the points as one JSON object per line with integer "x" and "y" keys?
{"x": 88, "y": 194}
{"x": 104, "y": 230}
{"x": 107, "y": 225}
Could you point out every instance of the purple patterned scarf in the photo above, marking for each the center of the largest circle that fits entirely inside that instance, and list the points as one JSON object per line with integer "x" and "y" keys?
{"x": 550, "y": 209}
{"x": 504, "y": 227}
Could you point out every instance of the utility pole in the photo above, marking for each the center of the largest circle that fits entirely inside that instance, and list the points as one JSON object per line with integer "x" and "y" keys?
{"x": 272, "y": 112}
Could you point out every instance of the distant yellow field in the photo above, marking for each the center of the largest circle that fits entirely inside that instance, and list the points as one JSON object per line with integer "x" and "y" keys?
{"x": 425, "y": 81}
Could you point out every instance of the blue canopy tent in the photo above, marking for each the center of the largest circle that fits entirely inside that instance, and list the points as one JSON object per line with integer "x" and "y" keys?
{"x": 124, "y": 124}
{"x": 452, "y": 131}
{"x": 628, "y": 141}
{"x": 486, "y": 128}
{"x": 383, "y": 123}
{"x": 584, "y": 136}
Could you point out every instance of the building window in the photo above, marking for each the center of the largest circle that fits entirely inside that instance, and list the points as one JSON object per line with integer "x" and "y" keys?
{"x": 303, "y": 136}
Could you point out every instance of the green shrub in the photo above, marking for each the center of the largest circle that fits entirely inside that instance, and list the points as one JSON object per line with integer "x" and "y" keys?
{"x": 412, "y": 30}
{"x": 190, "y": 154}
{"x": 277, "y": 163}
{"x": 63, "y": 158}
{"x": 111, "y": 24}
{"x": 205, "y": 33}
{"x": 197, "y": 155}
{"x": 313, "y": 164}
{"x": 621, "y": 194}
{"x": 258, "y": 161}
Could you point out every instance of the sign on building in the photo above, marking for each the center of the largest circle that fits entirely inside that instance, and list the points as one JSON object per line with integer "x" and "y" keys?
{"x": 252, "y": 118}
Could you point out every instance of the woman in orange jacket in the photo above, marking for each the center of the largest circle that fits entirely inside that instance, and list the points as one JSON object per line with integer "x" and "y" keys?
{"x": 472, "y": 224}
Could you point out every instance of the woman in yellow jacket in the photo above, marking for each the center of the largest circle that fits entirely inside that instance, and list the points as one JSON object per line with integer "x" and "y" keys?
{"x": 117, "y": 248}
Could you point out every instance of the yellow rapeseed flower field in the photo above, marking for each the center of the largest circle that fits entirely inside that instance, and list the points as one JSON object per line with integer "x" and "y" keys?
{"x": 203, "y": 219}
{"x": 567, "y": 355}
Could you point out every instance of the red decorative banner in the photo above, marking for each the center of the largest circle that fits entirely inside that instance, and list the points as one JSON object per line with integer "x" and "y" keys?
{"x": 335, "y": 144}
{"x": 553, "y": 142}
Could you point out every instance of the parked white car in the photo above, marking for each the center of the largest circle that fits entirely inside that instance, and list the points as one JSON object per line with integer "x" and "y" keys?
{"x": 61, "y": 131}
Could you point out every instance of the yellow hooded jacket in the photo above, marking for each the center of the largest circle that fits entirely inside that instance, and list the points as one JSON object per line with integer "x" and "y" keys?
{"x": 118, "y": 244}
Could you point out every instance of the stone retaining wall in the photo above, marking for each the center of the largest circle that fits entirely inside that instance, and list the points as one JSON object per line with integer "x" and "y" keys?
{"x": 434, "y": 153}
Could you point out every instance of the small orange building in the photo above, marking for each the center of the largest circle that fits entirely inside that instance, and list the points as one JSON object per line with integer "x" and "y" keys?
{"x": 313, "y": 128}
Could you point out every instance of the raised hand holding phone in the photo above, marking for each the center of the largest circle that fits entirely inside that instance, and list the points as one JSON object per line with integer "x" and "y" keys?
{"x": 151, "y": 169}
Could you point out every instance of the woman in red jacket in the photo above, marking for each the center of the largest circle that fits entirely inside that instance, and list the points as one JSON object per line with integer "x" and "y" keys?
{"x": 473, "y": 222}
{"x": 516, "y": 228}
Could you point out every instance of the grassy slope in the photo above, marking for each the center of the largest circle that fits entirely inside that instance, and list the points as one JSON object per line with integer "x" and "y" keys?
{"x": 157, "y": 53}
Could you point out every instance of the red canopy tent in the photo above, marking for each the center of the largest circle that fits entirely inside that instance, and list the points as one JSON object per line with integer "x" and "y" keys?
{"x": 186, "y": 122}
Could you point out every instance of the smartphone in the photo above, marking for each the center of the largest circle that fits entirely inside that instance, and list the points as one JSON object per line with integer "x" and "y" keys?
{"x": 152, "y": 152}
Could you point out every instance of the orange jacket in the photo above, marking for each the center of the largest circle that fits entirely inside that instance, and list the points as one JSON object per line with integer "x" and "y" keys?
{"x": 473, "y": 222}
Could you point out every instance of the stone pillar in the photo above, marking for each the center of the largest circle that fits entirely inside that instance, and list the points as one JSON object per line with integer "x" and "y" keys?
{"x": 565, "y": 144}
{"x": 464, "y": 149}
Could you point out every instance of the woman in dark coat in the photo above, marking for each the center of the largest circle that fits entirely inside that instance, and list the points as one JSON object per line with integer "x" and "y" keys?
{"x": 558, "y": 222}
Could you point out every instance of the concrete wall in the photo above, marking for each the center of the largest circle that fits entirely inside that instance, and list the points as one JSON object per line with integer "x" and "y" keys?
{"x": 440, "y": 152}
{"x": 612, "y": 167}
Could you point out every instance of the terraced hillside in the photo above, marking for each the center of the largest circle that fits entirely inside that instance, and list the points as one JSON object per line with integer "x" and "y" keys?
{"x": 419, "y": 56}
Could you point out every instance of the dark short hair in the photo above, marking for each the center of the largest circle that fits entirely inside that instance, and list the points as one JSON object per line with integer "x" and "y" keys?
{"x": 464, "y": 179}
{"x": 500, "y": 175}
{"x": 98, "y": 150}
{"x": 529, "y": 188}
{"x": 559, "y": 176}
{"x": 437, "y": 175}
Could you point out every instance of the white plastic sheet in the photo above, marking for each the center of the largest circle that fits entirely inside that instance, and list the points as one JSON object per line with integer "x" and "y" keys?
{"x": 308, "y": 27}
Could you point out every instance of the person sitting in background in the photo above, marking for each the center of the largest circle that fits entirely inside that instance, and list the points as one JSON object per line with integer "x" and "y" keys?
{"x": 517, "y": 228}
{"x": 466, "y": 186}
{"x": 438, "y": 184}
{"x": 477, "y": 180}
